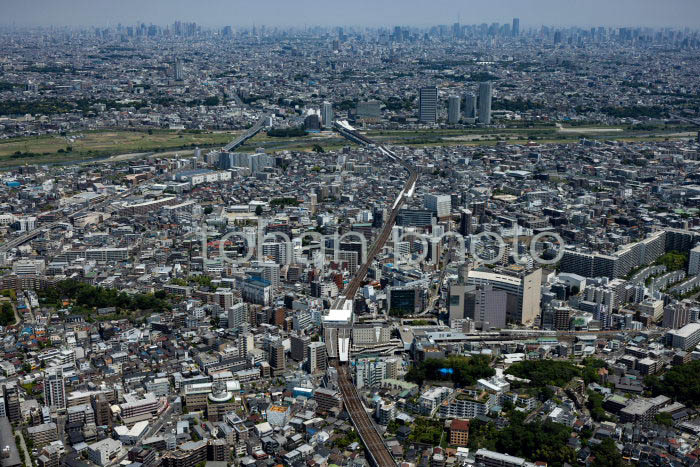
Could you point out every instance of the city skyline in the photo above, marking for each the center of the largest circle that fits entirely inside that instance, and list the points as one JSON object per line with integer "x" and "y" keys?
{"x": 217, "y": 13}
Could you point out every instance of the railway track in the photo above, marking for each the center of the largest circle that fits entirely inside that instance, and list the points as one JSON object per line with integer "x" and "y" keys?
{"x": 378, "y": 452}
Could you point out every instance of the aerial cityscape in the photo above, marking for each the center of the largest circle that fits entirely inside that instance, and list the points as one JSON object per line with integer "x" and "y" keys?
{"x": 277, "y": 235}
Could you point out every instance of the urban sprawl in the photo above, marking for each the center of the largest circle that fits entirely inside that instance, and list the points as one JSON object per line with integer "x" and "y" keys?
{"x": 462, "y": 245}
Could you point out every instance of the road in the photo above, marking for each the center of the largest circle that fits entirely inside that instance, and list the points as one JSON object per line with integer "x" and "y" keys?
{"x": 444, "y": 261}
{"x": 23, "y": 446}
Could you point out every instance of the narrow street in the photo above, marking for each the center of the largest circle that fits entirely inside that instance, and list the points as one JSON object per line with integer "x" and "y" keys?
{"x": 23, "y": 447}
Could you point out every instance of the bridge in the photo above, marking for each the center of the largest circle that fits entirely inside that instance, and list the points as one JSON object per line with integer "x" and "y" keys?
{"x": 252, "y": 131}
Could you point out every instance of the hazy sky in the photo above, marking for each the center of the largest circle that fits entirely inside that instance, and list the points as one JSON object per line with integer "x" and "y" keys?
{"x": 352, "y": 12}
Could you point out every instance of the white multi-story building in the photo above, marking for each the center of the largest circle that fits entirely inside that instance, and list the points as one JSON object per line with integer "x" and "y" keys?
{"x": 139, "y": 408}
{"x": 439, "y": 204}
{"x": 256, "y": 291}
{"x": 7, "y": 219}
{"x": 685, "y": 338}
{"x": 317, "y": 359}
{"x": 385, "y": 412}
{"x": 277, "y": 415}
{"x": 27, "y": 223}
{"x": 104, "y": 451}
{"x": 237, "y": 315}
{"x": 54, "y": 388}
{"x": 29, "y": 266}
{"x": 694, "y": 261}
{"x": 369, "y": 373}
{"x": 368, "y": 334}
{"x": 430, "y": 400}
{"x": 468, "y": 404}
{"x": 107, "y": 254}
{"x": 159, "y": 387}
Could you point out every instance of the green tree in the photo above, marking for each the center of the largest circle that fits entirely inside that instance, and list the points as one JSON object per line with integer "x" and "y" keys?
{"x": 545, "y": 372}
{"x": 606, "y": 454}
{"x": 461, "y": 370}
{"x": 258, "y": 210}
{"x": 536, "y": 441}
{"x": 595, "y": 405}
{"x": 664, "y": 418}
{"x": 681, "y": 383}
{"x": 7, "y": 314}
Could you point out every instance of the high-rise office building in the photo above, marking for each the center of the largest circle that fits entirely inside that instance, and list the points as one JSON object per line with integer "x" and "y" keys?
{"x": 522, "y": 287}
{"x": 277, "y": 357}
{"x": 453, "y": 110}
{"x": 465, "y": 222}
{"x": 300, "y": 347}
{"x": 327, "y": 114}
{"x": 178, "y": 70}
{"x": 317, "y": 359}
{"x": 557, "y": 37}
{"x": 54, "y": 389}
{"x": 11, "y": 396}
{"x": 428, "y": 104}
{"x": 441, "y": 205}
{"x": 470, "y": 105}
{"x": 516, "y": 27}
{"x": 486, "y": 307}
{"x": 485, "y": 103}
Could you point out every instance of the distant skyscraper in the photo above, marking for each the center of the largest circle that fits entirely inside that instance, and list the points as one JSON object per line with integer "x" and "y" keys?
{"x": 516, "y": 27}
{"x": 485, "y": 103}
{"x": 557, "y": 37}
{"x": 453, "y": 110}
{"x": 327, "y": 114}
{"x": 428, "y": 104}
{"x": 178, "y": 70}
{"x": 470, "y": 105}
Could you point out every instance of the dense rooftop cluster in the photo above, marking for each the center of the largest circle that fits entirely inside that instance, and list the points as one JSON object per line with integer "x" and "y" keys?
{"x": 536, "y": 301}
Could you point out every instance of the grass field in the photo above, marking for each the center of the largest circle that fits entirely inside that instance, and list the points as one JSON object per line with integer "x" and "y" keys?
{"x": 89, "y": 145}
{"x": 102, "y": 144}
